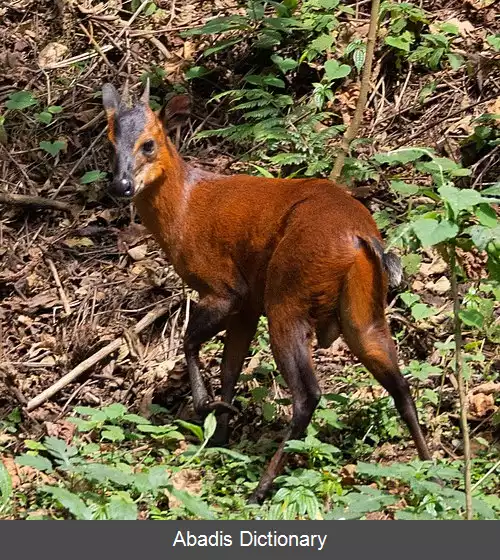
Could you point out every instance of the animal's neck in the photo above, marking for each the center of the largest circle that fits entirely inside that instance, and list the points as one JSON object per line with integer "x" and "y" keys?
{"x": 161, "y": 205}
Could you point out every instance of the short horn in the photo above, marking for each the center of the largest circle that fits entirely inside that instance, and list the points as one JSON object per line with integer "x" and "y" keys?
{"x": 126, "y": 95}
{"x": 145, "y": 95}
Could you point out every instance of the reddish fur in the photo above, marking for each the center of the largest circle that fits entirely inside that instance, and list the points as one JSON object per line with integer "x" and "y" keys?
{"x": 300, "y": 250}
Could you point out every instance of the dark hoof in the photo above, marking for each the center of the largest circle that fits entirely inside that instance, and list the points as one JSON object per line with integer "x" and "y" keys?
{"x": 221, "y": 406}
{"x": 258, "y": 495}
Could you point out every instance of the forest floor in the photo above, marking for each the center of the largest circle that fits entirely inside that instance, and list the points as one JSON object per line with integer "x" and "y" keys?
{"x": 78, "y": 270}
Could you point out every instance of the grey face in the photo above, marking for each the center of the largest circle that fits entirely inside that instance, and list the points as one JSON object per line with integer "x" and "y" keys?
{"x": 129, "y": 125}
{"x": 126, "y": 126}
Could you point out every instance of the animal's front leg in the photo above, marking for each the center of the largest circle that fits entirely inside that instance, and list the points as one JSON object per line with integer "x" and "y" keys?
{"x": 208, "y": 318}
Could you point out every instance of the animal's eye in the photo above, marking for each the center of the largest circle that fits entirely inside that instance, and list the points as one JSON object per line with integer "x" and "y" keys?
{"x": 148, "y": 147}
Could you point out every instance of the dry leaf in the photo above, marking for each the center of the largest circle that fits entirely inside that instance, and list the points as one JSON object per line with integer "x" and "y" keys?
{"x": 138, "y": 253}
{"x": 79, "y": 242}
{"x": 52, "y": 53}
{"x": 437, "y": 266}
{"x": 481, "y": 404}
{"x": 439, "y": 287}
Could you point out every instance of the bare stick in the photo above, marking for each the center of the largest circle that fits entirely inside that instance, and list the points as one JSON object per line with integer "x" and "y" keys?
{"x": 81, "y": 368}
{"x": 353, "y": 128}
{"x": 36, "y": 201}
{"x": 62, "y": 293}
{"x": 462, "y": 386}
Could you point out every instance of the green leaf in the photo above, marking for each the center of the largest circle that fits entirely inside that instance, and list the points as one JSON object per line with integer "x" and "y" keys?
{"x": 409, "y": 299}
{"x": 52, "y": 148}
{"x": 35, "y": 461}
{"x": 481, "y": 236}
{"x": 121, "y": 507}
{"x": 113, "y": 433}
{"x": 268, "y": 411}
{"x": 405, "y": 189}
{"x": 284, "y": 64}
{"x": 494, "y": 41}
{"x": 115, "y": 410}
{"x": 193, "y": 504}
{"x": 401, "y": 42}
{"x": 486, "y": 215}
{"x": 221, "y": 45}
{"x": 422, "y": 311}
{"x": 455, "y": 60}
{"x": 73, "y": 503}
{"x": 460, "y": 199}
{"x": 20, "y": 100}
{"x": 322, "y": 43}
{"x": 472, "y": 318}
{"x": 54, "y": 109}
{"x": 92, "y": 176}
{"x": 411, "y": 263}
{"x": 431, "y": 232}
{"x": 196, "y": 72}
{"x": 334, "y": 70}
{"x": 5, "y": 484}
{"x": 358, "y": 58}
{"x": 402, "y": 156}
{"x": 209, "y": 426}
{"x": 106, "y": 473}
{"x": 193, "y": 428}
{"x": 44, "y": 117}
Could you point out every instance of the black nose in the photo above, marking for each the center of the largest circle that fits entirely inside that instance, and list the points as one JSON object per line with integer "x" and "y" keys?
{"x": 123, "y": 187}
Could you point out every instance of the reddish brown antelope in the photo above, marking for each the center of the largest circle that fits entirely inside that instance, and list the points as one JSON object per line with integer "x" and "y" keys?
{"x": 303, "y": 252}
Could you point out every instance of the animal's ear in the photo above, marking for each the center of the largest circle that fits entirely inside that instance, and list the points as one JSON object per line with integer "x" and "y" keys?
{"x": 110, "y": 99}
{"x": 175, "y": 112}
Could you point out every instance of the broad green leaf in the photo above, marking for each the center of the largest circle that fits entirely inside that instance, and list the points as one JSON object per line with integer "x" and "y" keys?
{"x": 486, "y": 215}
{"x": 268, "y": 411}
{"x": 402, "y": 42}
{"x": 196, "y": 72}
{"x": 193, "y": 428}
{"x": 35, "y": 461}
{"x": 472, "y": 318}
{"x": 115, "y": 410}
{"x": 52, "y": 148}
{"x": 284, "y": 64}
{"x": 151, "y": 481}
{"x": 44, "y": 117}
{"x": 411, "y": 263}
{"x": 405, "y": 189}
{"x": 455, "y": 60}
{"x": 494, "y": 41}
{"x": 5, "y": 484}
{"x": 322, "y": 43}
{"x": 334, "y": 70}
{"x": 73, "y": 503}
{"x": 92, "y": 176}
{"x": 120, "y": 507}
{"x": 113, "y": 433}
{"x": 481, "y": 236}
{"x": 193, "y": 504}
{"x": 209, "y": 426}
{"x": 54, "y": 109}
{"x": 20, "y": 100}
{"x": 399, "y": 157}
{"x": 431, "y": 232}
{"x": 460, "y": 199}
{"x": 409, "y": 298}
{"x": 106, "y": 473}
{"x": 422, "y": 311}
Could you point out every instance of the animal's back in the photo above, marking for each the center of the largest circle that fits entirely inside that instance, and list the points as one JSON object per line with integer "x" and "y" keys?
{"x": 306, "y": 227}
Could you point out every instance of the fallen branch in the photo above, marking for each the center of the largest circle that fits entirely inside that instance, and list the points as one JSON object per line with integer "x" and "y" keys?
{"x": 81, "y": 368}
{"x": 36, "y": 201}
{"x": 62, "y": 293}
{"x": 352, "y": 130}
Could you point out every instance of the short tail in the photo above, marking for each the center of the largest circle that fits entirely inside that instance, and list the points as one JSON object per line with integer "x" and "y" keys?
{"x": 390, "y": 261}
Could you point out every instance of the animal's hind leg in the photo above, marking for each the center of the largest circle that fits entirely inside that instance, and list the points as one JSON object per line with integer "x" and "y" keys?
{"x": 365, "y": 330}
{"x": 291, "y": 350}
